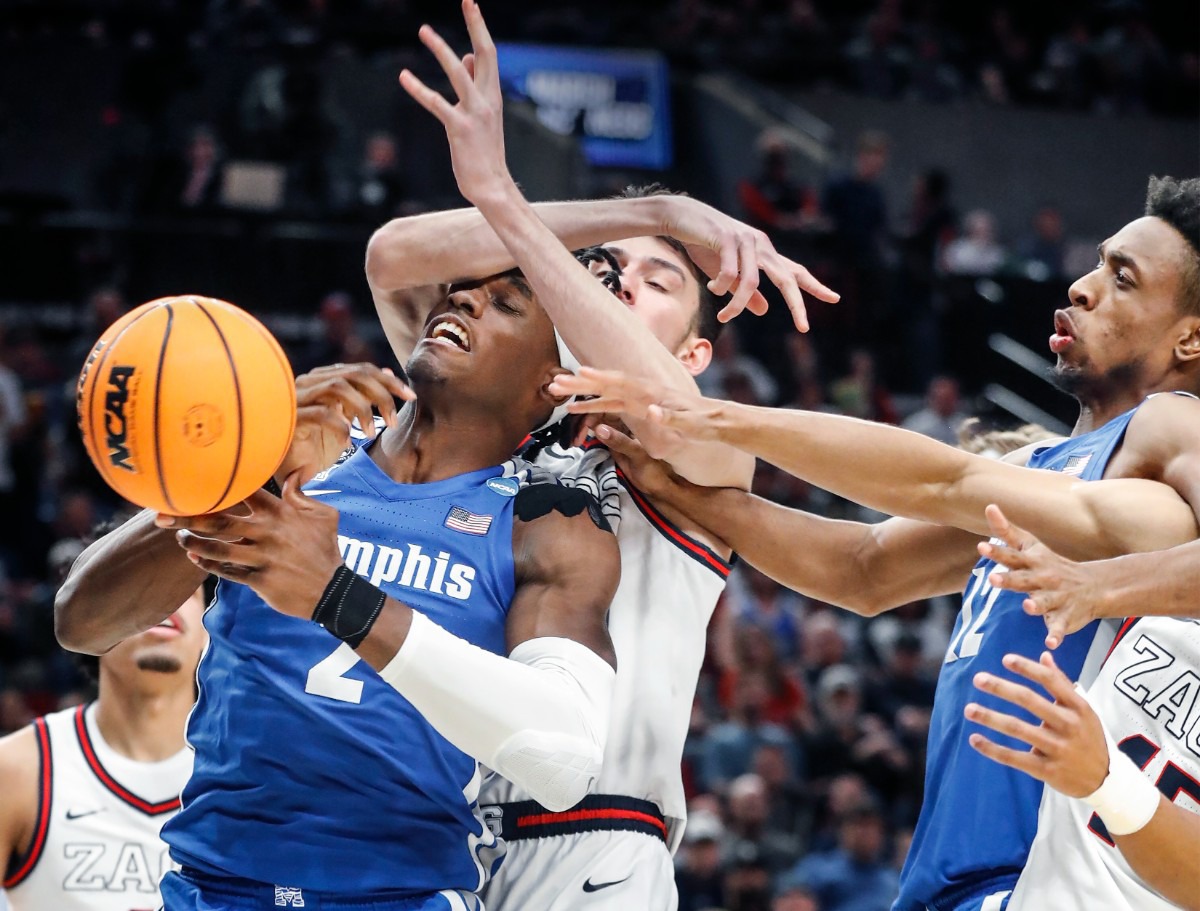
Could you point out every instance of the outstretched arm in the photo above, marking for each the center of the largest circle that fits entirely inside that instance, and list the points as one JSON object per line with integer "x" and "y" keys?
{"x": 1071, "y": 595}
{"x": 1070, "y": 752}
{"x": 906, "y": 474}
{"x": 596, "y": 326}
{"x": 539, "y": 716}
{"x": 864, "y": 568}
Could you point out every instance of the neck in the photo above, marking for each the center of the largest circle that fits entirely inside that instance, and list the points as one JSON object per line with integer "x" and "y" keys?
{"x": 145, "y": 721}
{"x": 1098, "y": 407}
{"x": 427, "y": 446}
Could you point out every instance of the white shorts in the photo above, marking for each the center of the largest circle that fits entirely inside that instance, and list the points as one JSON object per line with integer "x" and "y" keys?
{"x": 589, "y": 871}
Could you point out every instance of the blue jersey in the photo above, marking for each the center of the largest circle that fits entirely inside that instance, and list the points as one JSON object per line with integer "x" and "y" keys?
{"x": 311, "y": 772}
{"x": 979, "y": 817}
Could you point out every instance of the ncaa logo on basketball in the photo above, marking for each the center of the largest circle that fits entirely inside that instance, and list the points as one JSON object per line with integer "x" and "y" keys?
{"x": 116, "y": 421}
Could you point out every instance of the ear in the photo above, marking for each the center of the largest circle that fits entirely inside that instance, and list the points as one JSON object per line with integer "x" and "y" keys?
{"x": 1187, "y": 348}
{"x": 544, "y": 390}
{"x": 695, "y": 354}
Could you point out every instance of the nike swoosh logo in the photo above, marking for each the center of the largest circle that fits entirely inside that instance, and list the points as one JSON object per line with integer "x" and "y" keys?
{"x": 589, "y": 886}
{"x": 71, "y": 814}
{"x": 319, "y": 492}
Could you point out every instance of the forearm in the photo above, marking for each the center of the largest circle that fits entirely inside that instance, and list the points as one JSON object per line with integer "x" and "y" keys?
{"x": 442, "y": 247}
{"x": 864, "y": 568}
{"x": 906, "y": 474}
{"x": 1162, "y": 584}
{"x": 1164, "y": 853}
{"x": 541, "y": 720}
{"x": 123, "y": 584}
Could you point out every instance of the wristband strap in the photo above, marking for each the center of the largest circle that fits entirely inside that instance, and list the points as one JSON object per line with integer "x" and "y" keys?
{"x": 349, "y": 606}
{"x": 1126, "y": 800}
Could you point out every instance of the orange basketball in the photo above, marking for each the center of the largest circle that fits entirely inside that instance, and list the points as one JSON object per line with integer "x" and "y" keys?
{"x": 186, "y": 405}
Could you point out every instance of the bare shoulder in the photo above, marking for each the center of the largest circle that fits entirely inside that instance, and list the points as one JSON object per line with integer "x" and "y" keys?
{"x": 556, "y": 525}
{"x": 1165, "y": 421}
{"x": 19, "y": 770}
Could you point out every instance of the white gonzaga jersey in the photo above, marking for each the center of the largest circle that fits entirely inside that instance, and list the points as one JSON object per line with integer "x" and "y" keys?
{"x": 96, "y": 844}
{"x": 669, "y": 587}
{"x": 1148, "y": 696}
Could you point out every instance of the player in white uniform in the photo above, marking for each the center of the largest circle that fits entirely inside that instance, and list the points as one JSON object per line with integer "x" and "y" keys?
{"x": 87, "y": 789}
{"x": 1145, "y": 702}
{"x": 614, "y": 849}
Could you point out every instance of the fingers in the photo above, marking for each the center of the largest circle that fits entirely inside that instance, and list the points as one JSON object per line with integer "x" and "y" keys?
{"x": 1036, "y": 736}
{"x": 483, "y": 63}
{"x": 1021, "y": 695}
{"x": 758, "y": 304}
{"x": 1017, "y": 759}
{"x": 601, "y": 404}
{"x": 1057, "y": 628}
{"x": 426, "y": 97}
{"x": 1046, "y": 673}
{"x": 216, "y": 550}
{"x": 219, "y": 525}
{"x": 468, "y": 63}
{"x": 620, "y": 444}
{"x": 747, "y": 281}
{"x": 805, "y": 279}
{"x": 449, "y": 61}
{"x": 1014, "y": 537}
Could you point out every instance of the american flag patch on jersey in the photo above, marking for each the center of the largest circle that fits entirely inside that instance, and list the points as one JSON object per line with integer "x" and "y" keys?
{"x": 463, "y": 520}
{"x": 1076, "y": 464}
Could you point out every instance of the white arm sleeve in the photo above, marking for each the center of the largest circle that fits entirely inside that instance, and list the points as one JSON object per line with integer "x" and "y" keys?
{"x": 539, "y": 717}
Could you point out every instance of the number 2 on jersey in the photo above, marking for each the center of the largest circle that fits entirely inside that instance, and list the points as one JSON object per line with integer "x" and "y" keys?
{"x": 966, "y": 643}
{"x": 325, "y": 678}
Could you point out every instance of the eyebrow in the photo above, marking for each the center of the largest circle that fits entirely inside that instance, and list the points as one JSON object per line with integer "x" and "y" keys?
{"x": 1118, "y": 258}
{"x": 653, "y": 260}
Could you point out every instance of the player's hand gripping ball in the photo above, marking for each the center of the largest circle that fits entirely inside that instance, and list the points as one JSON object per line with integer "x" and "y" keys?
{"x": 186, "y": 405}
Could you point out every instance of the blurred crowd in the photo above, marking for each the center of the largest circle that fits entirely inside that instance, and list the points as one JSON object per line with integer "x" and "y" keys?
{"x": 1110, "y": 56}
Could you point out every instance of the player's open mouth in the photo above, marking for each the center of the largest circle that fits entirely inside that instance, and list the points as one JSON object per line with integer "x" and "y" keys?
{"x": 169, "y": 627}
{"x": 1064, "y": 332}
{"x": 452, "y": 332}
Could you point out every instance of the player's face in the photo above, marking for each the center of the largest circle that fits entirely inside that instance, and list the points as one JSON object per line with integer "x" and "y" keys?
{"x": 171, "y": 648}
{"x": 658, "y": 285}
{"x": 1124, "y": 320}
{"x": 491, "y": 342}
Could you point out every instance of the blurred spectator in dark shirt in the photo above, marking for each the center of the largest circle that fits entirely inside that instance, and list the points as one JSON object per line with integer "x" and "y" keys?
{"x": 860, "y": 394}
{"x": 877, "y": 57}
{"x": 775, "y": 200}
{"x": 698, "y": 872}
{"x": 794, "y": 896}
{"x": 190, "y": 180}
{"x": 1070, "y": 65}
{"x": 729, "y": 746}
{"x": 855, "y": 203}
{"x": 977, "y": 252}
{"x": 378, "y": 189}
{"x": 749, "y": 820}
{"x": 854, "y": 876}
{"x": 942, "y": 413}
{"x": 1040, "y": 254}
{"x": 904, "y": 683}
{"x": 747, "y": 879}
{"x": 789, "y": 805}
{"x": 339, "y": 341}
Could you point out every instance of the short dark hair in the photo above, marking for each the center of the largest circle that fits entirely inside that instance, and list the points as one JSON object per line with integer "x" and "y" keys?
{"x": 1177, "y": 202}
{"x": 706, "y": 325}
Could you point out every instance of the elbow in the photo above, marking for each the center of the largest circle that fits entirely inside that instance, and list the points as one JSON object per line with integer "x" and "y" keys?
{"x": 577, "y": 774}
{"x": 70, "y": 627}
{"x": 384, "y": 257}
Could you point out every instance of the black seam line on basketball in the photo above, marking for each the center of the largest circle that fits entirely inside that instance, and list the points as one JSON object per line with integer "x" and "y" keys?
{"x": 101, "y": 455}
{"x": 237, "y": 389}
{"x": 162, "y": 356}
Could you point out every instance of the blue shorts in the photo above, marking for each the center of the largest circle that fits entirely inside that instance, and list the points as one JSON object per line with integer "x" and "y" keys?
{"x": 988, "y": 901}
{"x": 188, "y": 891}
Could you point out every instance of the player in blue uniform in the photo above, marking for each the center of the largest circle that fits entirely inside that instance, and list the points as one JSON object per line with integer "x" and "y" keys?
{"x": 336, "y": 774}
{"x": 1132, "y": 330}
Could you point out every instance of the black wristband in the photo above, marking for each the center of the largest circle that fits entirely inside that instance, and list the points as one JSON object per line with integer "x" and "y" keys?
{"x": 272, "y": 487}
{"x": 349, "y": 606}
